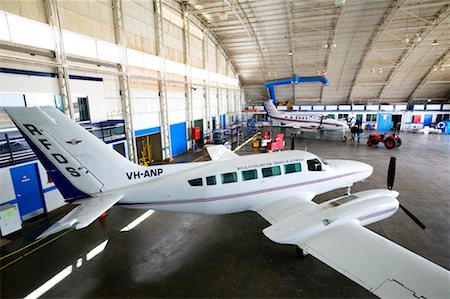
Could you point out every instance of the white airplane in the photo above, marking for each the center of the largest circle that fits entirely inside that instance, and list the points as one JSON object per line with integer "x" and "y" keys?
{"x": 279, "y": 186}
{"x": 305, "y": 121}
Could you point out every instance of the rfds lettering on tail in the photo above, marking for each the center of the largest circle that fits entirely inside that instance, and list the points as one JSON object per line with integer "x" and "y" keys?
{"x": 279, "y": 186}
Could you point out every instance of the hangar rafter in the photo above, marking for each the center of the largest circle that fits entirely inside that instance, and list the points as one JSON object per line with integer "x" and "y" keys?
{"x": 387, "y": 18}
{"x": 441, "y": 16}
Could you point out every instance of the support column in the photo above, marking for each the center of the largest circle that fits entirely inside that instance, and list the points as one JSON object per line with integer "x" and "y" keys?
{"x": 165, "y": 128}
{"x": 188, "y": 76}
{"x": 219, "y": 92}
{"x": 207, "y": 114}
{"x": 51, "y": 7}
{"x": 124, "y": 80}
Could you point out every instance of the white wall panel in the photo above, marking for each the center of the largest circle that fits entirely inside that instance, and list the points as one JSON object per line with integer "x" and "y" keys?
{"x": 95, "y": 92}
{"x": 23, "y": 84}
{"x": 6, "y": 186}
{"x": 145, "y": 120}
{"x": 224, "y": 108}
{"x": 197, "y": 113}
{"x": 113, "y": 101}
{"x": 213, "y": 101}
{"x": 177, "y": 116}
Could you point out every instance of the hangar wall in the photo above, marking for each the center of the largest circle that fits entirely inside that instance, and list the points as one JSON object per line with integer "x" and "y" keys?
{"x": 175, "y": 69}
{"x": 152, "y": 56}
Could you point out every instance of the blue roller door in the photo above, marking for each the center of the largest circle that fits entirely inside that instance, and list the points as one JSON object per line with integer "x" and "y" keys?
{"x": 384, "y": 122}
{"x": 178, "y": 138}
{"x": 223, "y": 120}
{"x": 427, "y": 119}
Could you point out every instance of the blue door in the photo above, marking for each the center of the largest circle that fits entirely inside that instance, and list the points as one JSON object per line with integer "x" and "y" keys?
{"x": 384, "y": 122}
{"x": 178, "y": 138}
{"x": 427, "y": 119}
{"x": 223, "y": 120}
{"x": 27, "y": 186}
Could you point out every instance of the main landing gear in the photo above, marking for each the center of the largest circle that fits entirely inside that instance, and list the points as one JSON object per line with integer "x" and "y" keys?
{"x": 300, "y": 252}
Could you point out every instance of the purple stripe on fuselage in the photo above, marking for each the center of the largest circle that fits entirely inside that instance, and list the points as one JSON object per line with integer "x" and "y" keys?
{"x": 304, "y": 121}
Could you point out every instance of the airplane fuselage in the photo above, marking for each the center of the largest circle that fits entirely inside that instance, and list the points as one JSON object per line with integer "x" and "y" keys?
{"x": 309, "y": 122}
{"x": 304, "y": 121}
{"x": 221, "y": 187}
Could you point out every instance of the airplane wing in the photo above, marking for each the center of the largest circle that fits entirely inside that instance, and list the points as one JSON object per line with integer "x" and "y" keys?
{"x": 378, "y": 264}
{"x": 284, "y": 208}
{"x": 88, "y": 210}
{"x": 220, "y": 152}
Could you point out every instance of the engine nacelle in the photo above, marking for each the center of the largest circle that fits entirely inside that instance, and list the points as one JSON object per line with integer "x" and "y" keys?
{"x": 364, "y": 207}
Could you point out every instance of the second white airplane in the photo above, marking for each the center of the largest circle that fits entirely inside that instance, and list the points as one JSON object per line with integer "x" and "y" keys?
{"x": 307, "y": 122}
{"x": 279, "y": 186}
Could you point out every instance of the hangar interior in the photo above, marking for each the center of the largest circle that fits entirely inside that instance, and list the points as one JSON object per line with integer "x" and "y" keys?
{"x": 157, "y": 79}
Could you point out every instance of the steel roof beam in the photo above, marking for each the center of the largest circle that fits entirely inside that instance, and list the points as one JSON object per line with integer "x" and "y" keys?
{"x": 331, "y": 40}
{"x": 441, "y": 15}
{"x": 438, "y": 64}
{"x": 387, "y": 18}
{"x": 237, "y": 10}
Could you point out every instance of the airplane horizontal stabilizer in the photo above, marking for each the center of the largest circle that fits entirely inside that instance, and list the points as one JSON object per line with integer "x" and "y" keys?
{"x": 84, "y": 214}
{"x": 220, "y": 152}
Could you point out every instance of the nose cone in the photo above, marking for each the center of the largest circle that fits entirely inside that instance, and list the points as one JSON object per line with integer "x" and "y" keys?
{"x": 394, "y": 194}
{"x": 348, "y": 166}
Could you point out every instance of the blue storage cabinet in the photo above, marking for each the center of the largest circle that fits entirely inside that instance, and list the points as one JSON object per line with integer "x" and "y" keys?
{"x": 178, "y": 138}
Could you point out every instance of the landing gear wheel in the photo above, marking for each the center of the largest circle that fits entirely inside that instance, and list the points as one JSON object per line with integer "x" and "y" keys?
{"x": 390, "y": 143}
{"x": 300, "y": 252}
{"x": 344, "y": 138}
{"x": 399, "y": 142}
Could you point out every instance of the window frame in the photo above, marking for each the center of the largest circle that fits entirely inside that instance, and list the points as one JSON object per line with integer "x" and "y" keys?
{"x": 254, "y": 171}
{"x": 295, "y": 170}
{"x": 235, "y": 177}
{"x": 208, "y": 182}
{"x": 272, "y": 173}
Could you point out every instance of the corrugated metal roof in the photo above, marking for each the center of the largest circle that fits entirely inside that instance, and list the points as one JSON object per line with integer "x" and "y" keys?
{"x": 370, "y": 51}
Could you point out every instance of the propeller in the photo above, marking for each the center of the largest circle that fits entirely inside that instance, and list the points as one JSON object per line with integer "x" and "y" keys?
{"x": 390, "y": 184}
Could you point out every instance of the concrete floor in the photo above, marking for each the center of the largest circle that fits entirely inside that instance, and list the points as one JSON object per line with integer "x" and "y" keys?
{"x": 183, "y": 255}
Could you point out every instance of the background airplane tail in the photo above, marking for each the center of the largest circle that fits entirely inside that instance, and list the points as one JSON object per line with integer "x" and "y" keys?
{"x": 78, "y": 162}
{"x": 270, "y": 108}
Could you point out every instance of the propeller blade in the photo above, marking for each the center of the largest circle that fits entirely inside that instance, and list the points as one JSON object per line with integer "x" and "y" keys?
{"x": 414, "y": 218}
{"x": 391, "y": 173}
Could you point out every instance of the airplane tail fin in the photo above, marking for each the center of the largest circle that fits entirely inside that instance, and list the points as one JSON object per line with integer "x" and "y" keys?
{"x": 270, "y": 108}
{"x": 79, "y": 163}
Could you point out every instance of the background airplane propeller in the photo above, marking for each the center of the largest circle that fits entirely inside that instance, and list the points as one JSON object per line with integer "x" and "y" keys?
{"x": 390, "y": 184}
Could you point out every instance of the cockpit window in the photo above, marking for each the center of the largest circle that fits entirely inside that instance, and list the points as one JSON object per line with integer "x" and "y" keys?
{"x": 314, "y": 165}
{"x": 322, "y": 160}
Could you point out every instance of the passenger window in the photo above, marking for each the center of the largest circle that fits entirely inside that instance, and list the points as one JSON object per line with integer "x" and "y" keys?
{"x": 211, "y": 180}
{"x": 271, "y": 171}
{"x": 314, "y": 165}
{"x": 291, "y": 168}
{"x": 230, "y": 177}
{"x": 248, "y": 175}
{"x": 196, "y": 182}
